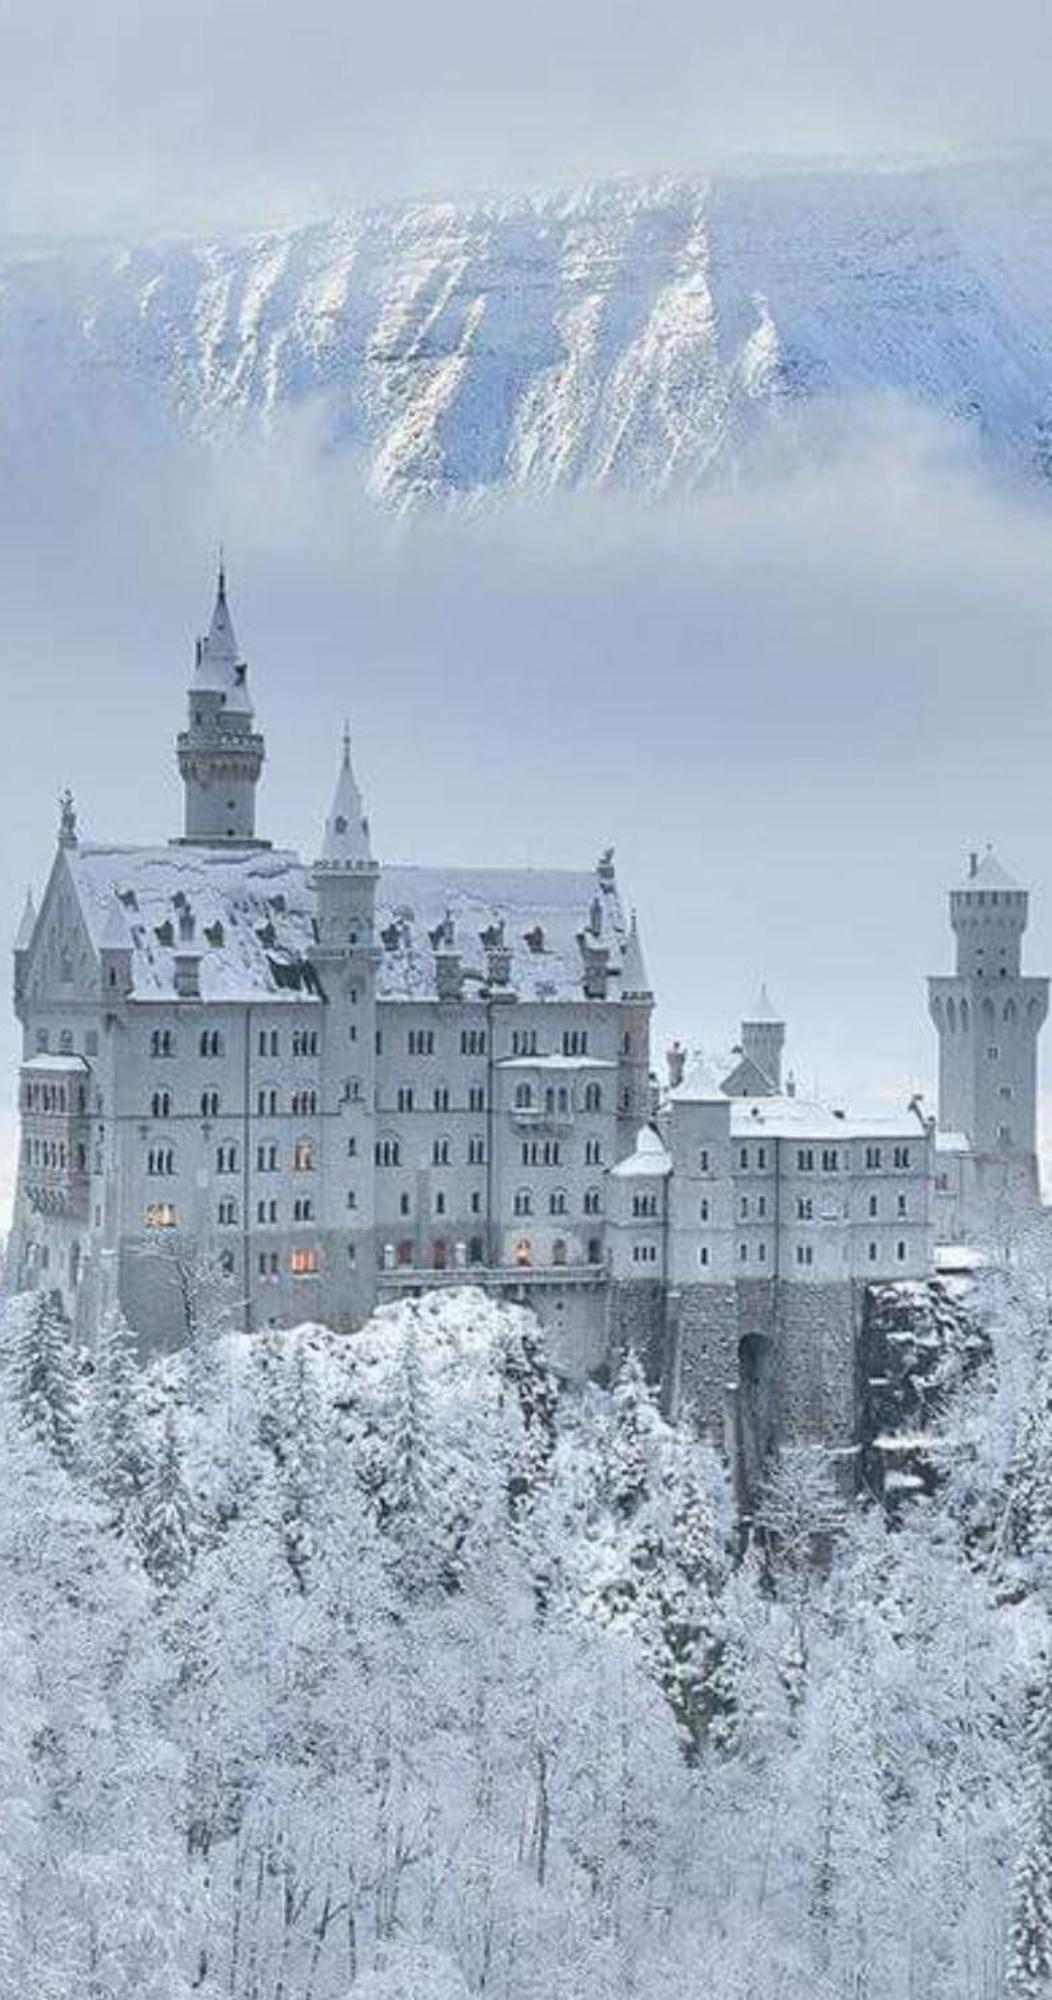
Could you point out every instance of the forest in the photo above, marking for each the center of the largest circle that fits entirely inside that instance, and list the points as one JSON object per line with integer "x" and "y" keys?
{"x": 388, "y": 1666}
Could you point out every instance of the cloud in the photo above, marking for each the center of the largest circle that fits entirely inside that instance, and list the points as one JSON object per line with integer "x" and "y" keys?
{"x": 186, "y": 113}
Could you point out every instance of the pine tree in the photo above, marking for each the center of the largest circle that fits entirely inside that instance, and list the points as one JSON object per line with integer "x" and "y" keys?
{"x": 166, "y": 1515}
{"x": 118, "y": 1461}
{"x": 1029, "y": 1975}
{"x": 44, "y": 1374}
{"x": 409, "y": 1490}
{"x": 631, "y": 1422}
{"x": 302, "y": 1471}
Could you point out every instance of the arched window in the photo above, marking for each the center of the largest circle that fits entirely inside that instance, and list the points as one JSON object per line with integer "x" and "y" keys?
{"x": 388, "y": 1153}
{"x": 303, "y": 1156}
{"x": 210, "y": 1104}
{"x": 592, "y": 1201}
{"x": 161, "y": 1104}
{"x": 440, "y": 1098}
{"x": 1011, "y": 1010}
{"x": 522, "y": 1252}
{"x": 475, "y": 1250}
{"x": 557, "y": 1202}
{"x": 438, "y": 1254}
{"x": 440, "y": 1153}
{"x": 593, "y": 1097}
{"x": 595, "y": 1250}
{"x": 558, "y": 1251}
{"x": 524, "y": 1097}
{"x": 523, "y": 1204}
{"x": 211, "y": 1043}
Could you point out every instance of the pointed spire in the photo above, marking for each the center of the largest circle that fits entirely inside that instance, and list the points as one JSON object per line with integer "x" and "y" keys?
{"x": 346, "y": 842}
{"x": 28, "y": 923}
{"x": 634, "y": 981}
{"x": 763, "y": 1008}
{"x": 218, "y": 668}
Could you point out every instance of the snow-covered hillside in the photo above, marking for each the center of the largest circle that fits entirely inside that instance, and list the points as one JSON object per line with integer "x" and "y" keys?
{"x": 636, "y": 334}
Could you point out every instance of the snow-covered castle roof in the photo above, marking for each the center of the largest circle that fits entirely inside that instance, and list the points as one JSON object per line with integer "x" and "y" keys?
{"x": 250, "y": 917}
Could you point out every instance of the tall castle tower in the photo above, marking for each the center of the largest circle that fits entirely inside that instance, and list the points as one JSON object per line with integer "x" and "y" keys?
{"x": 988, "y": 1016}
{"x": 345, "y": 956}
{"x": 220, "y": 754}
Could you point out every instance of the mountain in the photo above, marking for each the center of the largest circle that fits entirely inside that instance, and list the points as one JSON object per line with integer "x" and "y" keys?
{"x": 634, "y": 334}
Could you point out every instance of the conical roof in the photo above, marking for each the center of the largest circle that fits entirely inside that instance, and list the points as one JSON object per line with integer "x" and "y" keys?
{"x": 633, "y": 971}
{"x": 346, "y": 841}
{"x": 28, "y": 923}
{"x": 219, "y": 669}
{"x": 763, "y": 1009}
{"x": 986, "y": 872}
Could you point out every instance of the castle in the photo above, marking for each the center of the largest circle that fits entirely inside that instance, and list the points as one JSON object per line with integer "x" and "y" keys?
{"x": 334, "y": 1082}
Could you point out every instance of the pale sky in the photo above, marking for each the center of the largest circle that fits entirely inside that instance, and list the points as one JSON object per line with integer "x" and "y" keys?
{"x": 190, "y": 113}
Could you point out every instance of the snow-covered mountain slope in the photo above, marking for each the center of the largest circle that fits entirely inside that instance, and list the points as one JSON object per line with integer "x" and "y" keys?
{"x": 631, "y": 334}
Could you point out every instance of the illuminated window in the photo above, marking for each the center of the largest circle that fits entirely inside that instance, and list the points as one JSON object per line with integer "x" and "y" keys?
{"x": 160, "y": 1215}
{"x": 303, "y": 1156}
{"x": 303, "y": 1263}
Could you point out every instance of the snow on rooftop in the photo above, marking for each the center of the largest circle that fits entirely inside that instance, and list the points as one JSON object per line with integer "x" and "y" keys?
{"x": 253, "y": 922}
{"x": 952, "y": 1142}
{"x": 986, "y": 872}
{"x": 536, "y": 916}
{"x": 955, "y": 1257}
{"x": 649, "y": 1158}
{"x": 53, "y": 1065}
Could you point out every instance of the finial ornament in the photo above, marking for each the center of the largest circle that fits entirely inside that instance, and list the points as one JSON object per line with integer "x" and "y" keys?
{"x": 346, "y": 745}
{"x": 67, "y": 820}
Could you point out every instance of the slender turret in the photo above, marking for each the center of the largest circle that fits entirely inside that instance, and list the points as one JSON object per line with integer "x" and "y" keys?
{"x": 220, "y": 753}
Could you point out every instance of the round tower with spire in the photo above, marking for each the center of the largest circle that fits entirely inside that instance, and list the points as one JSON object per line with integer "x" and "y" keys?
{"x": 220, "y": 753}
{"x": 988, "y": 1016}
{"x": 344, "y": 881}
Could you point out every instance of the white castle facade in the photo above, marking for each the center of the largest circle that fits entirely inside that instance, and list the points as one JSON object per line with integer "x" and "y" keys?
{"x": 335, "y": 1081}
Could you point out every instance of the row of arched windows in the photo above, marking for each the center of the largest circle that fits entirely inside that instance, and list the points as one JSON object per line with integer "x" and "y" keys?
{"x": 555, "y": 1100}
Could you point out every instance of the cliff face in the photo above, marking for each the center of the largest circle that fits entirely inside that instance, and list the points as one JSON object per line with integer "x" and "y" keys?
{"x": 641, "y": 335}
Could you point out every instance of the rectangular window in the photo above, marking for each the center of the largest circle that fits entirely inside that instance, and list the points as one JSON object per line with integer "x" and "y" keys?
{"x": 902, "y": 1155}
{"x": 872, "y": 1253}
{"x": 900, "y": 1252}
{"x": 476, "y": 1203}
{"x": 743, "y": 1207}
{"x": 743, "y": 1157}
{"x": 874, "y": 1159}
{"x": 805, "y": 1160}
{"x": 830, "y": 1160}
{"x": 874, "y": 1207}
{"x": 761, "y": 1158}
{"x": 703, "y": 1160}
{"x": 703, "y": 1254}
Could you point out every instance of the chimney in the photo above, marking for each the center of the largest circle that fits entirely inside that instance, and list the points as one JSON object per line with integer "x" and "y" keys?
{"x": 676, "y": 1059}
{"x": 973, "y": 866}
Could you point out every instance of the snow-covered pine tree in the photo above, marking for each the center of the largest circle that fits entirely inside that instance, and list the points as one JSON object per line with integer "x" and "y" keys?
{"x": 1029, "y": 1970}
{"x": 303, "y": 1469}
{"x": 43, "y": 1372}
{"x": 631, "y": 1421}
{"x": 117, "y": 1457}
{"x": 166, "y": 1515}
{"x": 409, "y": 1488}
